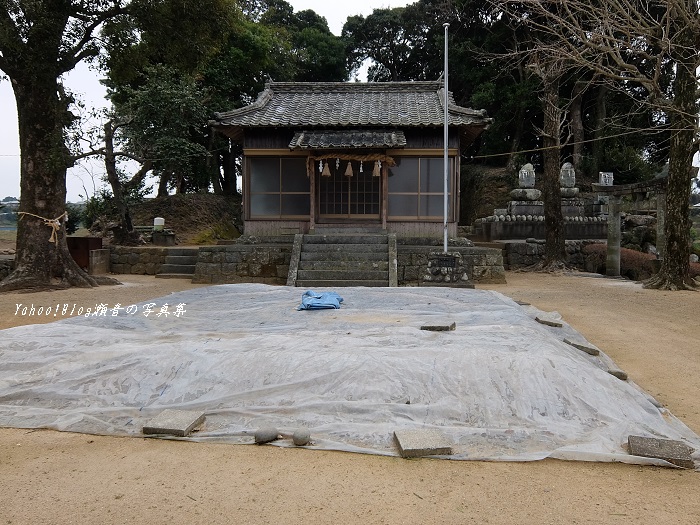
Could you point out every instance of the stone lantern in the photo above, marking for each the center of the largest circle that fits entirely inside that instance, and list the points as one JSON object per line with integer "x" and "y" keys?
{"x": 605, "y": 178}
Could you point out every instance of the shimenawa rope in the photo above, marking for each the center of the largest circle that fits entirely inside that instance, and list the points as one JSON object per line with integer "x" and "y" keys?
{"x": 54, "y": 224}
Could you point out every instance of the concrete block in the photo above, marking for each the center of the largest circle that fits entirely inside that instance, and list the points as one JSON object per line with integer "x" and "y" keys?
{"x": 174, "y": 422}
{"x": 99, "y": 261}
{"x": 439, "y": 327}
{"x": 675, "y": 452}
{"x": 620, "y": 374}
{"x": 548, "y": 322}
{"x": 422, "y": 442}
{"x": 585, "y": 348}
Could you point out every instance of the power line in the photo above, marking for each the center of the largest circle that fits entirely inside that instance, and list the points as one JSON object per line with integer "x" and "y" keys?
{"x": 534, "y": 150}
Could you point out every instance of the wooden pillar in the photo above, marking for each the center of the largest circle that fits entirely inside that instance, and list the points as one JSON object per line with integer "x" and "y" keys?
{"x": 384, "y": 190}
{"x": 661, "y": 224}
{"x": 612, "y": 262}
{"x": 311, "y": 172}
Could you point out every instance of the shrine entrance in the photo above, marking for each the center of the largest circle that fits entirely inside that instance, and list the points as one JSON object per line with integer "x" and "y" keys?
{"x": 349, "y": 193}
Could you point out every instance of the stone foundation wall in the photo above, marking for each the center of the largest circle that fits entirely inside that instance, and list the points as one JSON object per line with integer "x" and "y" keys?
{"x": 269, "y": 263}
{"x": 530, "y": 252}
{"x": 484, "y": 265}
{"x": 236, "y": 263}
{"x": 136, "y": 260}
{"x": 584, "y": 228}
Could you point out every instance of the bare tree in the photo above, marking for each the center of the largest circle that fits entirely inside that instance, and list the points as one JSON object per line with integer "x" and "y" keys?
{"x": 550, "y": 73}
{"x": 640, "y": 44}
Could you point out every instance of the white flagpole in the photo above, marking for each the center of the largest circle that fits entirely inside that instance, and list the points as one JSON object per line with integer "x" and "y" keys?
{"x": 445, "y": 158}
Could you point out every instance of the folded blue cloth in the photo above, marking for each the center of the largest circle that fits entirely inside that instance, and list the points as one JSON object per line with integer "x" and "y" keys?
{"x": 319, "y": 301}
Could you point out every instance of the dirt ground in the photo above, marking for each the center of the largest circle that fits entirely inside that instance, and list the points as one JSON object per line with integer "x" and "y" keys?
{"x": 52, "y": 477}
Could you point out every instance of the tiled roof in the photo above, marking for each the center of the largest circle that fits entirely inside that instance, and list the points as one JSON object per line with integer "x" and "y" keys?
{"x": 349, "y": 104}
{"x": 347, "y": 139}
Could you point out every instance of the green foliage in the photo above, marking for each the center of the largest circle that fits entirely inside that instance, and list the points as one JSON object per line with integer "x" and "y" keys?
{"x": 75, "y": 216}
{"x": 165, "y": 87}
{"x": 472, "y": 184}
{"x": 182, "y": 34}
{"x": 166, "y": 117}
{"x": 695, "y": 248}
{"x": 96, "y": 208}
{"x": 403, "y": 43}
{"x": 218, "y": 231}
{"x": 101, "y": 205}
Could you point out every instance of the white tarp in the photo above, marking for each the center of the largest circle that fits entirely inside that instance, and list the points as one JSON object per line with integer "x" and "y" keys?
{"x": 501, "y": 386}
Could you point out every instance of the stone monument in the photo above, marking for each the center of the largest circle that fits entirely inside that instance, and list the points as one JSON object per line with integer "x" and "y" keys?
{"x": 526, "y": 199}
{"x": 523, "y": 217}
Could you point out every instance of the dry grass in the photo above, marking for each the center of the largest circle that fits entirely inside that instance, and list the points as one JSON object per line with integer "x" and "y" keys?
{"x": 8, "y": 235}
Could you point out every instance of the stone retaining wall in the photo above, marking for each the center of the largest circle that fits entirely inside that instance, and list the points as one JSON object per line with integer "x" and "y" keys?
{"x": 530, "y": 252}
{"x": 236, "y": 263}
{"x": 269, "y": 263}
{"x": 136, "y": 259}
{"x": 485, "y": 265}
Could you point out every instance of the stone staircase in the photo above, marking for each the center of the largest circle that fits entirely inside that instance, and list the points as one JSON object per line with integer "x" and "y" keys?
{"x": 179, "y": 264}
{"x": 336, "y": 257}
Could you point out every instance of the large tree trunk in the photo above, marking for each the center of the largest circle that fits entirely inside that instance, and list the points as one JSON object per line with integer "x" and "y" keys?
{"x": 601, "y": 114}
{"x": 229, "y": 170}
{"x": 42, "y": 260}
{"x": 555, "y": 251}
{"x": 126, "y": 232}
{"x": 577, "y": 130}
{"x": 518, "y": 130}
{"x": 163, "y": 184}
{"x": 675, "y": 267}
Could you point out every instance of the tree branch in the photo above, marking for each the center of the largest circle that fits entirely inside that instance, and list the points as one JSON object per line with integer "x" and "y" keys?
{"x": 86, "y": 154}
{"x": 138, "y": 176}
{"x": 77, "y": 52}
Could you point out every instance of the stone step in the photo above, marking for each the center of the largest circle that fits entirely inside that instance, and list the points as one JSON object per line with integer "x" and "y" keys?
{"x": 345, "y": 239}
{"x": 181, "y": 259}
{"x": 177, "y": 268}
{"x": 331, "y": 284}
{"x": 263, "y": 239}
{"x": 348, "y": 248}
{"x": 345, "y": 256}
{"x": 330, "y": 230}
{"x": 491, "y": 244}
{"x": 351, "y": 275}
{"x": 187, "y": 276}
{"x": 356, "y": 265}
{"x": 177, "y": 252}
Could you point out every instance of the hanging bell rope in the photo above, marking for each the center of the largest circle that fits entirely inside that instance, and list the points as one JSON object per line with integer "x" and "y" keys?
{"x": 54, "y": 224}
{"x": 389, "y": 161}
{"x": 348, "y": 170}
{"x": 326, "y": 171}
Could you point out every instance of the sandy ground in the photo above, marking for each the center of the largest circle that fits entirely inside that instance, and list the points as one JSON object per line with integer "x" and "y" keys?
{"x": 52, "y": 477}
